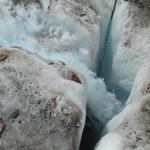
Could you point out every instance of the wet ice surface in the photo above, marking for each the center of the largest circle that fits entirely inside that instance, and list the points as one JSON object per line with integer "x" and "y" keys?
{"x": 69, "y": 31}
{"x": 36, "y": 103}
{"x": 59, "y": 31}
{"x": 128, "y": 45}
{"x": 127, "y": 69}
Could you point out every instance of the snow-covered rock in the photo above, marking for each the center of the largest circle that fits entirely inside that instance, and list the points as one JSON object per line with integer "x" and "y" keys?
{"x": 128, "y": 46}
{"x": 42, "y": 106}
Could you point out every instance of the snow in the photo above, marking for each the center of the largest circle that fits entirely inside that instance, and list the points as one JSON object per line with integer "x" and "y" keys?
{"x": 53, "y": 29}
{"x": 127, "y": 47}
{"x": 126, "y": 71}
{"x": 59, "y": 32}
{"x": 114, "y": 140}
{"x": 132, "y": 123}
{"x": 46, "y": 102}
{"x": 102, "y": 103}
{"x": 141, "y": 85}
{"x": 74, "y": 33}
{"x": 117, "y": 120}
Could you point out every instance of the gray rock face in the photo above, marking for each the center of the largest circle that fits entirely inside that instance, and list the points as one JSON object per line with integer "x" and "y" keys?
{"x": 42, "y": 107}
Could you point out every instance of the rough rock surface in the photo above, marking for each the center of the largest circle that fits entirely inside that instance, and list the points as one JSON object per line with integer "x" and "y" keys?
{"x": 42, "y": 105}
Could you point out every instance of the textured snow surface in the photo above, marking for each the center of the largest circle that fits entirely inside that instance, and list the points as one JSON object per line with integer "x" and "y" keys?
{"x": 40, "y": 107}
{"x": 141, "y": 85}
{"x": 140, "y": 3}
{"x": 129, "y": 130}
{"x": 75, "y": 39}
{"x": 66, "y": 43}
{"x": 64, "y": 30}
{"x": 110, "y": 142}
{"x": 59, "y": 27}
{"x": 131, "y": 126}
{"x": 127, "y": 70}
{"x": 128, "y": 45}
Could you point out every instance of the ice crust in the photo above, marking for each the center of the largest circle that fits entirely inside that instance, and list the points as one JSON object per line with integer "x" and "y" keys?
{"x": 67, "y": 31}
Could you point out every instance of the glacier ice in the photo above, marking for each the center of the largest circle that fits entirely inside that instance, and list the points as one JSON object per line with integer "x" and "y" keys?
{"x": 127, "y": 47}
{"x": 140, "y": 3}
{"x": 39, "y": 108}
{"x": 128, "y": 69}
{"x": 141, "y": 84}
{"x": 67, "y": 31}
{"x": 59, "y": 28}
{"x": 83, "y": 35}
{"x": 112, "y": 141}
{"x": 130, "y": 129}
